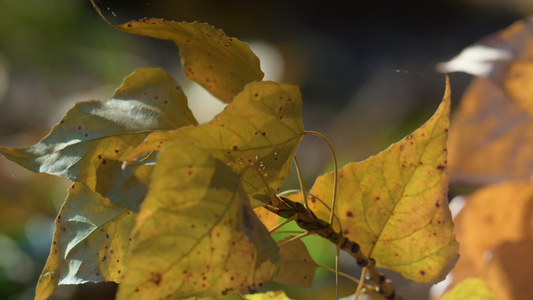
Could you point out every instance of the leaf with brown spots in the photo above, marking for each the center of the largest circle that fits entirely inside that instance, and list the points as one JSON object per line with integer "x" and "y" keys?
{"x": 196, "y": 234}
{"x": 221, "y": 64}
{"x": 92, "y": 140}
{"x": 256, "y": 135}
{"x": 90, "y": 242}
{"x": 297, "y": 266}
{"x": 395, "y": 204}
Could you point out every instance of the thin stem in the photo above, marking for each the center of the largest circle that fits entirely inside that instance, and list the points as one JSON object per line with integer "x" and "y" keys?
{"x": 361, "y": 283}
{"x": 335, "y": 168}
{"x": 340, "y": 273}
{"x": 289, "y": 231}
{"x": 287, "y": 192}
{"x": 294, "y": 238}
{"x": 301, "y": 180}
{"x": 273, "y": 229}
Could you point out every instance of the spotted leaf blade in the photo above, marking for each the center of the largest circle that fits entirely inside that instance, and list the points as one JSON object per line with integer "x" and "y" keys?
{"x": 196, "y": 234}
{"x": 221, "y": 64}
{"x": 395, "y": 204}
{"x": 90, "y": 241}
{"x": 256, "y": 135}
{"x": 92, "y": 140}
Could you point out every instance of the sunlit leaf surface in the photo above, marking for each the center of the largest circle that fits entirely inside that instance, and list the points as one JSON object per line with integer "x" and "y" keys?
{"x": 297, "y": 266}
{"x": 221, "y": 64}
{"x": 90, "y": 243}
{"x": 395, "y": 204}
{"x": 196, "y": 234}
{"x": 256, "y": 135}
{"x": 92, "y": 140}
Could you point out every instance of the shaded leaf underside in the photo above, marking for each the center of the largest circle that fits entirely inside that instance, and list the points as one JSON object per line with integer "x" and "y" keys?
{"x": 92, "y": 140}
{"x": 90, "y": 242}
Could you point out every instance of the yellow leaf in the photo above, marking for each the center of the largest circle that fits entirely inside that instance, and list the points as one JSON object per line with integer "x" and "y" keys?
{"x": 395, "y": 204}
{"x": 196, "y": 234}
{"x": 470, "y": 289}
{"x": 268, "y": 218}
{"x": 257, "y": 135}
{"x": 221, "y": 64}
{"x": 90, "y": 242}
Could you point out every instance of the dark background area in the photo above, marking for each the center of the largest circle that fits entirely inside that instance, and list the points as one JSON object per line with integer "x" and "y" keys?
{"x": 366, "y": 71}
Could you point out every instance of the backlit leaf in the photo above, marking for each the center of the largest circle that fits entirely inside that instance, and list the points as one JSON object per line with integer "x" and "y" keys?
{"x": 495, "y": 230}
{"x": 297, "y": 266}
{"x": 256, "y": 135}
{"x": 90, "y": 241}
{"x": 395, "y": 204}
{"x": 271, "y": 295}
{"x": 491, "y": 137}
{"x": 491, "y": 133}
{"x": 221, "y": 64}
{"x": 470, "y": 289}
{"x": 196, "y": 234}
{"x": 92, "y": 140}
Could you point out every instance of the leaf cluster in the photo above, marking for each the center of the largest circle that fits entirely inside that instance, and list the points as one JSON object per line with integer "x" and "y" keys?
{"x": 165, "y": 206}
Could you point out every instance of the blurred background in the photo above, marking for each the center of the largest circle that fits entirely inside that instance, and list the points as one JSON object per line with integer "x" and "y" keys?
{"x": 366, "y": 71}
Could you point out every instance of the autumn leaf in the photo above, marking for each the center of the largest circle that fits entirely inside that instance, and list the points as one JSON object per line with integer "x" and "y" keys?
{"x": 196, "y": 234}
{"x": 223, "y": 65}
{"x": 90, "y": 242}
{"x": 496, "y": 236}
{"x": 256, "y": 135}
{"x": 395, "y": 204}
{"x": 297, "y": 266}
{"x": 92, "y": 140}
{"x": 268, "y": 218}
{"x": 470, "y": 289}
{"x": 491, "y": 132}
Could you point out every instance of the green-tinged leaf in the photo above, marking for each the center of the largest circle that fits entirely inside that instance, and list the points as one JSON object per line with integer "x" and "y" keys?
{"x": 256, "y": 135}
{"x": 395, "y": 204}
{"x": 272, "y": 295}
{"x": 470, "y": 289}
{"x": 297, "y": 266}
{"x": 221, "y": 64}
{"x": 90, "y": 241}
{"x": 196, "y": 234}
{"x": 92, "y": 140}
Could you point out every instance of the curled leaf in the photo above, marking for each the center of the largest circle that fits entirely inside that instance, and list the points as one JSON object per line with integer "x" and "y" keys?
{"x": 90, "y": 242}
{"x": 395, "y": 204}
{"x": 92, "y": 140}
{"x": 223, "y": 65}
